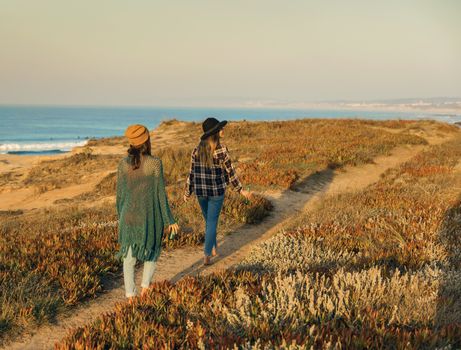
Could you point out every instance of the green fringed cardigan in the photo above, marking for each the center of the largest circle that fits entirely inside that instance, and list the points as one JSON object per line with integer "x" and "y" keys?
{"x": 142, "y": 208}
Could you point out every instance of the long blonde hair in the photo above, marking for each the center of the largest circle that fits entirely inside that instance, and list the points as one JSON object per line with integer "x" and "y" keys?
{"x": 206, "y": 149}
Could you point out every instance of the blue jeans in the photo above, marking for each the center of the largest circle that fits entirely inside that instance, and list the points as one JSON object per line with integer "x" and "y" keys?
{"x": 211, "y": 207}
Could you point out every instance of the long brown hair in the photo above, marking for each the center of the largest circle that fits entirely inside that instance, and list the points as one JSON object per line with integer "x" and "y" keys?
{"x": 206, "y": 149}
{"x": 135, "y": 153}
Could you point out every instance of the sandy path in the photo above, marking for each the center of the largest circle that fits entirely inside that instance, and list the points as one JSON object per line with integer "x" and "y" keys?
{"x": 232, "y": 248}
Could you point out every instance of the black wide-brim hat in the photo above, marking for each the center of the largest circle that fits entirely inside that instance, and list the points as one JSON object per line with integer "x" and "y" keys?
{"x": 211, "y": 126}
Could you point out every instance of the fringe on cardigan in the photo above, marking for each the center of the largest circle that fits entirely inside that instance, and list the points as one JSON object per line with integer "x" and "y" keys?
{"x": 139, "y": 253}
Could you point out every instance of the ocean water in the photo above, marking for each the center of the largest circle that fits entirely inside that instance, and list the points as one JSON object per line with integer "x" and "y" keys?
{"x": 50, "y": 130}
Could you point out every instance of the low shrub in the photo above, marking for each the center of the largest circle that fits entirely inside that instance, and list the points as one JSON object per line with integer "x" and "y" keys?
{"x": 381, "y": 273}
{"x": 60, "y": 257}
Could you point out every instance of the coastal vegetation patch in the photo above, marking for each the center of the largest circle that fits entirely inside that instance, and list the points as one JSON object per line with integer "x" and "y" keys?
{"x": 56, "y": 258}
{"x": 383, "y": 273}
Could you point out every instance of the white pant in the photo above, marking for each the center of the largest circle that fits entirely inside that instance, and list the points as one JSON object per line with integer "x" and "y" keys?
{"x": 128, "y": 273}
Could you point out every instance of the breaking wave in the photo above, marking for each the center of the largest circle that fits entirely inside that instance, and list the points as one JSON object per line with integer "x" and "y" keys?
{"x": 49, "y": 147}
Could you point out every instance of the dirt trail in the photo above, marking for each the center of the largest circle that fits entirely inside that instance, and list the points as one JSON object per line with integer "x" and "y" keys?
{"x": 233, "y": 247}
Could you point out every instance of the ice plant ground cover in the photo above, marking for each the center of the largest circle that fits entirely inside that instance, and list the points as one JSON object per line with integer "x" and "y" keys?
{"x": 57, "y": 257}
{"x": 383, "y": 273}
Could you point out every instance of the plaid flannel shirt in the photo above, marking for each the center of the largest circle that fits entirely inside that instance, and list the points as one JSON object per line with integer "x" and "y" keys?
{"x": 209, "y": 182}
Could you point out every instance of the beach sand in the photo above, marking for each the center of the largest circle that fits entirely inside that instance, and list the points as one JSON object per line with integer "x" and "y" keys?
{"x": 14, "y": 195}
{"x": 14, "y": 169}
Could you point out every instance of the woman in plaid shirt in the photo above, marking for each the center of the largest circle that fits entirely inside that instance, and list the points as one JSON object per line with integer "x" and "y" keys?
{"x": 210, "y": 172}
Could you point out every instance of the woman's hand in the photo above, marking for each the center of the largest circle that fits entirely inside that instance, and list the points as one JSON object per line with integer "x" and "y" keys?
{"x": 246, "y": 194}
{"x": 173, "y": 230}
{"x": 186, "y": 198}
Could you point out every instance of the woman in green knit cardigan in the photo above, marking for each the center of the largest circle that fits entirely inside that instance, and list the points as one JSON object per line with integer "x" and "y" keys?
{"x": 142, "y": 208}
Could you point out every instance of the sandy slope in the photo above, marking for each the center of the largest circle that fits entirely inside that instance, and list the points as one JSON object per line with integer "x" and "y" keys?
{"x": 13, "y": 195}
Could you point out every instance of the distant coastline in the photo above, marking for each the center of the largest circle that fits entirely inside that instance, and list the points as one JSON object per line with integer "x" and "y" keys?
{"x": 444, "y": 106}
{"x": 59, "y": 129}
{"x": 40, "y": 148}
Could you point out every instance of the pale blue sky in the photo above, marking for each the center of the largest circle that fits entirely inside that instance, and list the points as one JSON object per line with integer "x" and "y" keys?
{"x": 216, "y": 52}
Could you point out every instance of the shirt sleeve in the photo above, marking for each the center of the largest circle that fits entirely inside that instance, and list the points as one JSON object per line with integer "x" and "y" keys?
{"x": 190, "y": 178}
{"x": 233, "y": 178}
{"x": 167, "y": 216}
{"x": 120, "y": 188}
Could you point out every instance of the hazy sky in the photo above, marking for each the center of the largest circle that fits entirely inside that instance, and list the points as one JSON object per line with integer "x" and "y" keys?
{"x": 218, "y": 52}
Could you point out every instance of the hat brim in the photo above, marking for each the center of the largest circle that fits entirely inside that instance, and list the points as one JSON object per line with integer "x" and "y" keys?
{"x": 216, "y": 129}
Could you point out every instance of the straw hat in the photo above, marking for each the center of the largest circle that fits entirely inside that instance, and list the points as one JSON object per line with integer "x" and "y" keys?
{"x": 137, "y": 134}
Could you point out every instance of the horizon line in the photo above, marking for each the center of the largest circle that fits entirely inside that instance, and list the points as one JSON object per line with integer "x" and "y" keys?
{"x": 255, "y": 104}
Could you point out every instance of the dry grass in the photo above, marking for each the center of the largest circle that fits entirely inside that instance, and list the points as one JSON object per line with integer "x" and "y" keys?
{"x": 278, "y": 154}
{"x": 56, "y": 260}
{"x": 11, "y": 213}
{"x": 6, "y": 178}
{"x": 52, "y": 174}
{"x": 362, "y": 309}
{"x": 49, "y": 261}
{"x": 384, "y": 273}
{"x": 107, "y": 141}
{"x": 267, "y": 154}
{"x": 397, "y": 220}
{"x": 187, "y": 132}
